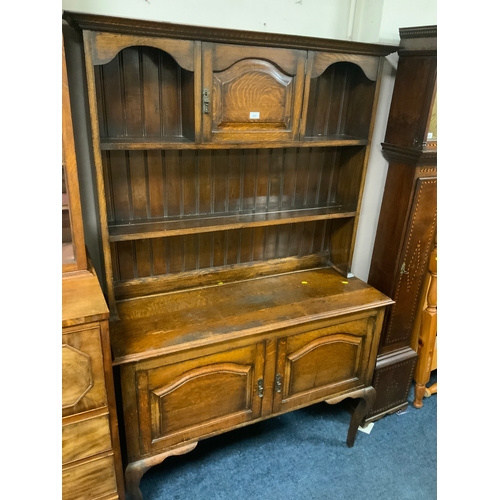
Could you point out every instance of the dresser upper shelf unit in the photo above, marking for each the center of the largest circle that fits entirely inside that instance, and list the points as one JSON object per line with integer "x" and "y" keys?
{"x": 230, "y": 168}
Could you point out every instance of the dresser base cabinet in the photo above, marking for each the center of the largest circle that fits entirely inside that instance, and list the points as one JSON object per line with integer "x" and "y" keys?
{"x": 226, "y": 371}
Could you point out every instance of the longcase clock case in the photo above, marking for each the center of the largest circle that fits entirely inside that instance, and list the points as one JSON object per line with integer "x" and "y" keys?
{"x": 408, "y": 217}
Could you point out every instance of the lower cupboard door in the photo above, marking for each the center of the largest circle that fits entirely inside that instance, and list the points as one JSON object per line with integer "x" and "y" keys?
{"x": 320, "y": 364}
{"x": 198, "y": 397}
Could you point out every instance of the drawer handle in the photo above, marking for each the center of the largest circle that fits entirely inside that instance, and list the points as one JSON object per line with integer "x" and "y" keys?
{"x": 260, "y": 387}
{"x": 278, "y": 383}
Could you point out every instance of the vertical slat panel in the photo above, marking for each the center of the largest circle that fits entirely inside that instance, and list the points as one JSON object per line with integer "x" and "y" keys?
{"x": 283, "y": 244}
{"x": 246, "y": 245}
{"x": 327, "y": 169}
{"x": 289, "y": 177}
{"x": 189, "y": 205}
{"x": 119, "y": 185}
{"x": 132, "y": 91}
{"x": 138, "y": 185}
{"x": 125, "y": 259}
{"x": 276, "y": 178}
{"x": 174, "y": 183}
{"x": 233, "y": 180}
{"x": 143, "y": 258}
{"x": 322, "y": 103}
{"x": 262, "y": 179}
{"x": 318, "y": 238}
{"x": 259, "y": 242}
{"x": 205, "y": 250}
{"x": 232, "y": 247}
{"x": 314, "y": 176}
{"x": 155, "y": 184}
{"x": 337, "y": 108}
{"x": 312, "y": 105}
{"x": 186, "y": 98}
{"x": 190, "y": 252}
{"x": 176, "y": 252}
{"x": 219, "y": 248}
{"x": 219, "y": 180}
{"x": 108, "y": 183}
{"x": 151, "y": 91}
{"x": 271, "y": 239}
{"x": 169, "y": 95}
{"x": 205, "y": 181}
{"x": 158, "y": 252}
{"x": 249, "y": 178}
{"x": 301, "y": 178}
{"x": 112, "y": 93}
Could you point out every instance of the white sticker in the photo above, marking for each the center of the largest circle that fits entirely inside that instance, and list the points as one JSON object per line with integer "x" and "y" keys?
{"x": 254, "y": 115}
{"x": 429, "y": 135}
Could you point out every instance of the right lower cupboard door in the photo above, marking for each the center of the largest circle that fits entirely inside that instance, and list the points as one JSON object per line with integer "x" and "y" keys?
{"x": 180, "y": 400}
{"x": 324, "y": 362}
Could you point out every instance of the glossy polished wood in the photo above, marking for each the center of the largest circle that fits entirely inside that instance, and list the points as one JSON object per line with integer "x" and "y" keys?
{"x": 91, "y": 456}
{"x": 90, "y": 443}
{"x": 229, "y": 171}
{"x": 427, "y": 338}
{"x": 73, "y": 246}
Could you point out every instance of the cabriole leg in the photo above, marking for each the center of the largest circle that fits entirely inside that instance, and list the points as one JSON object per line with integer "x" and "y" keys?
{"x": 135, "y": 470}
{"x": 364, "y": 406}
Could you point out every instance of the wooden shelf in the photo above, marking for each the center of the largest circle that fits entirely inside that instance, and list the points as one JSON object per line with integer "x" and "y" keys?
{"x": 176, "y": 226}
{"x": 335, "y": 140}
{"x": 145, "y": 143}
{"x": 175, "y": 142}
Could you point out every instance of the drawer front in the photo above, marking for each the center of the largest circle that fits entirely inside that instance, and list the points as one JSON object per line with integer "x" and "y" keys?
{"x": 83, "y": 386}
{"x": 251, "y": 93}
{"x": 90, "y": 480}
{"x": 85, "y": 438}
{"x": 190, "y": 399}
{"x": 322, "y": 363}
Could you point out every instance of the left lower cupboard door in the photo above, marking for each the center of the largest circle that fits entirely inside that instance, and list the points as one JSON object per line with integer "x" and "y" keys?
{"x": 180, "y": 400}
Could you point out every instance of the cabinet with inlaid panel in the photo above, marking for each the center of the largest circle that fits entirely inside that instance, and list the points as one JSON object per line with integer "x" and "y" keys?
{"x": 229, "y": 169}
{"x": 408, "y": 215}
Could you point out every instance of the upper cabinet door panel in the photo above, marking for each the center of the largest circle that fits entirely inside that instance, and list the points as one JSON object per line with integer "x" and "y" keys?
{"x": 251, "y": 94}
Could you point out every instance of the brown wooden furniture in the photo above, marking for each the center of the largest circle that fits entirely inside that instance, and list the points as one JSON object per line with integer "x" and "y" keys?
{"x": 427, "y": 338}
{"x": 407, "y": 222}
{"x": 91, "y": 460}
{"x": 230, "y": 168}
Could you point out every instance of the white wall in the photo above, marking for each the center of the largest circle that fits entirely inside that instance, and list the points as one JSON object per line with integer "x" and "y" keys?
{"x": 360, "y": 20}
{"x": 321, "y": 18}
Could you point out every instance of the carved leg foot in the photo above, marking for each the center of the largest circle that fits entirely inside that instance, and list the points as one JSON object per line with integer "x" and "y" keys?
{"x": 135, "y": 470}
{"x": 364, "y": 406}
{"x": 419, "y": 395}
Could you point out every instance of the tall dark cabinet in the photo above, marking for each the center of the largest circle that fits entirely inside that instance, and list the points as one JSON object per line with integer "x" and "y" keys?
{"x": 407, "y": 225}
{"x": 230, "y": 168}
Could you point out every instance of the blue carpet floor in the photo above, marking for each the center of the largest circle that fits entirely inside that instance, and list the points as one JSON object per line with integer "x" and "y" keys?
{"x": 303, "y": 456}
